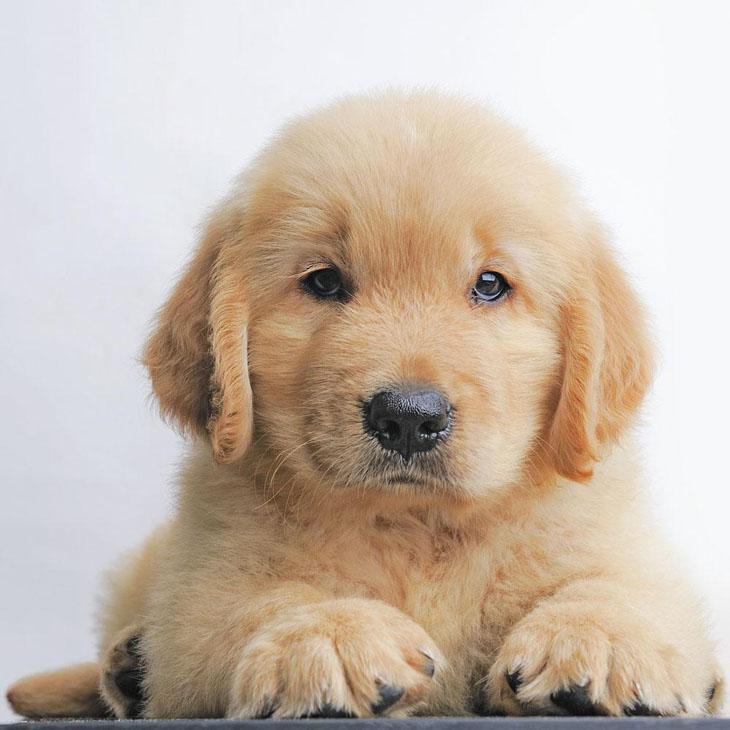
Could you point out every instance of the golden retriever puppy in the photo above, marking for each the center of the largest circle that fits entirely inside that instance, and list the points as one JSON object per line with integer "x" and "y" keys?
{"x": 410, "y": 364}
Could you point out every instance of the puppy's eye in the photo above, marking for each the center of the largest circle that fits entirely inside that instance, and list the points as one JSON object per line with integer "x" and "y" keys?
{"x": 490, "y": 286}
{"x": 325, "y": 284}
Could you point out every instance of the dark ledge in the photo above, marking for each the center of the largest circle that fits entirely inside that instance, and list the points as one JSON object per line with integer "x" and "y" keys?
{"x": 423, "y": 723}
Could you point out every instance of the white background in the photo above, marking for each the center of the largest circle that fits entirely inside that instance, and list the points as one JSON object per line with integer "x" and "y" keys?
{"x": 120, "y": 123}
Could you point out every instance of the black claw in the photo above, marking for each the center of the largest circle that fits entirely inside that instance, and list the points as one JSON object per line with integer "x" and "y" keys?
{"x": 326, "y": 710}
{"x": 429, "y": 668}
{"x": 575, "y": 701}
{"x": 639, "y": 709}
{"x": 514, "y": 680}
{"x": 129, "y": 682}
{"x": 389, "y": 695}
{"x": 711, "y": 693}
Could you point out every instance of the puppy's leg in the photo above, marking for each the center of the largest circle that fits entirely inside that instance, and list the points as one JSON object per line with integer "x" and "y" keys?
{"x": 69, "y": 692}
{"x": 603, "y": 647}
{"x": 122, "y": 674}
{"x": 292, "y": 652}
{"x": 344, "y": 657}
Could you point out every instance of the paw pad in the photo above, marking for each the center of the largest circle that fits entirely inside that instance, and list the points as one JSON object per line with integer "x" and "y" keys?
{"x": 389, "y": 695}
{"x": 575, "y": 701}
{"x": 639, "y": 709}
{"x": 329, "y": 711}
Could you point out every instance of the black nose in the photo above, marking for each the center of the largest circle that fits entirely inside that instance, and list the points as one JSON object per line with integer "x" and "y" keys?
{"x": 408, "y": 421}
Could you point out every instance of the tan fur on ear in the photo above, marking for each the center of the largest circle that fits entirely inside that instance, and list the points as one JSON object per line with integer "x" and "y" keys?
{"x": 231, "y": 425}
{"x": 608, "y": 365}
{"x": 197, "y": 355}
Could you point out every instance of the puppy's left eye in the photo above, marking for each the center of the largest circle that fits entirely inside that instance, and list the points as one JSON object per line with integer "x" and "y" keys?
{"x": 325, "y": 284}
{"x": 490, "y": 286}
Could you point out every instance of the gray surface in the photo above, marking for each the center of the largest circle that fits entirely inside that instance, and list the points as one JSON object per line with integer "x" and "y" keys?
{"x": 430, "y": 723}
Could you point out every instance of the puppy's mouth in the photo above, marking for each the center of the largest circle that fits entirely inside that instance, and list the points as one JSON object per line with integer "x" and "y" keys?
{"x": 409, "y": 479}
{"x": 425, "y": 472}
{"x": 384, "y": 471}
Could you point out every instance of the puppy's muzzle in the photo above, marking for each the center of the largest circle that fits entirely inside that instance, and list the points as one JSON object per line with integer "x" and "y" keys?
{"x": 408, "y": 420}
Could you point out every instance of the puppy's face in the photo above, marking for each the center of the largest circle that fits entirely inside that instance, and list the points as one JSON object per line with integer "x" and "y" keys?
{"x": 403, "y": 351}
{"x": 422, "y": 303}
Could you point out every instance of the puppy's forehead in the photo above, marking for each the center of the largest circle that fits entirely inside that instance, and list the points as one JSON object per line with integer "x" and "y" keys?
{"x": 394, "y": 184}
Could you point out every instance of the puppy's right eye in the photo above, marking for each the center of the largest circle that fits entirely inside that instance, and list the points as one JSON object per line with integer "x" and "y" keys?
{"x": 325, "y": 284}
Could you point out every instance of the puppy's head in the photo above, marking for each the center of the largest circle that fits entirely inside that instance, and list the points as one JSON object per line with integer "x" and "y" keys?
{"x": 402, "y": 294}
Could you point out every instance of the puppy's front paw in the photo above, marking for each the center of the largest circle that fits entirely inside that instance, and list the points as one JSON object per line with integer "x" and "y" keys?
{"x": 340, "y": 658}
{"x": 574, "y": 660}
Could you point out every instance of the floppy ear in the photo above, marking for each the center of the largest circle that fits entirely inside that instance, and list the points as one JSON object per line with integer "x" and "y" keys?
{"x": 607, "y": 366}
{"x": 197, "y": 353}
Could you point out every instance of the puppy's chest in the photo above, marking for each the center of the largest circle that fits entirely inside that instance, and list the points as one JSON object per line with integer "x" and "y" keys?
{"x": 436, "y": 574}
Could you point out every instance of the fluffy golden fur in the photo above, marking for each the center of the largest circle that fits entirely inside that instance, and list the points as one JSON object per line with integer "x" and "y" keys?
{"x": 303, "y": 570}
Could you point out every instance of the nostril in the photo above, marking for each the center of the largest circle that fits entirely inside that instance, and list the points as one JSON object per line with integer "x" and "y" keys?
{"x": 429, "y": 428}
{"x": 389, "y": 429}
